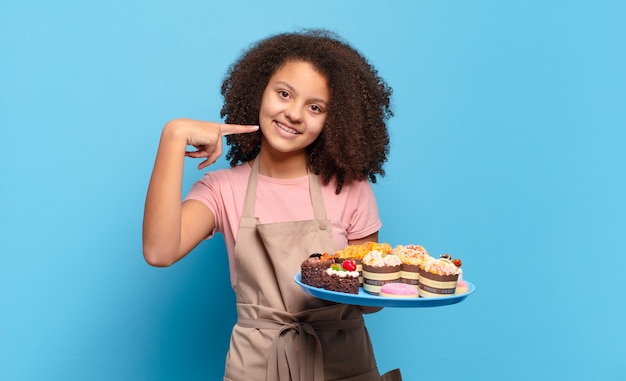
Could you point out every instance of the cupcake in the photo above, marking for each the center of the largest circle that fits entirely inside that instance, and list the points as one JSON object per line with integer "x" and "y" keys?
{"x": 411, "y": 256}
{"x": 438, "y": 277}
{"x": 313, "y": 269}
{"x": 357, "y": 252}
{"x": 379, "y": 269}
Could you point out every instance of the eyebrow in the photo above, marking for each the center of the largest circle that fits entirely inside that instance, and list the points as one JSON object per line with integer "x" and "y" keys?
{"x": 293, "y": 90}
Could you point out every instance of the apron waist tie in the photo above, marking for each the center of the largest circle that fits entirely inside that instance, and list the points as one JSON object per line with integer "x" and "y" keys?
{"x": 284, "y": 363}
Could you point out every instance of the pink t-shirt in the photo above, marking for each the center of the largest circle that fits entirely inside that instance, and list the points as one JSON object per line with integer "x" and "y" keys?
{"x": 353, "y": 212}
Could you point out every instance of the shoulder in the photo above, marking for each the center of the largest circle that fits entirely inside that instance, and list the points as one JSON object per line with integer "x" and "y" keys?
{"x": 354, "y": 208}
{"x": 355, "y": 194}
{"x": 350, "y": 189}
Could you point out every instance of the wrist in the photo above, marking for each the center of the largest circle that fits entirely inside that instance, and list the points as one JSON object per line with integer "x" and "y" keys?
{"x": 175, "y": 131}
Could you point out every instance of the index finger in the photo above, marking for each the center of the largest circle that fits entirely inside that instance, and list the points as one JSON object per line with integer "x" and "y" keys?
{"x": 229, "y": 129}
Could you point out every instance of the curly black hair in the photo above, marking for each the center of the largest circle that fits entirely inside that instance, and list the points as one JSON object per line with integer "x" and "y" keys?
{"x": 357, "y": 143}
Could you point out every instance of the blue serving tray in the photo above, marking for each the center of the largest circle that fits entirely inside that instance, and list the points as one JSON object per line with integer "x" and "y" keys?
{"x": 365, "y": 299}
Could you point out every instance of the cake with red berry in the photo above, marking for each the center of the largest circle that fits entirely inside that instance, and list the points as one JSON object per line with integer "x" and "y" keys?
{"x": 380, "y": 268}
{"x": 438, "y": 277}
{"x": 313, "y": 269}
{"x": 343, "y": 277}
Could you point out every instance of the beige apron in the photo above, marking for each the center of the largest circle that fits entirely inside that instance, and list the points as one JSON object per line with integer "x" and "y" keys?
{"x": 282, "y": 333}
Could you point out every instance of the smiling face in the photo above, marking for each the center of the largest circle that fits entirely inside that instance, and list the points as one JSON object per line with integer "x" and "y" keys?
{"x": 293, "y": 109}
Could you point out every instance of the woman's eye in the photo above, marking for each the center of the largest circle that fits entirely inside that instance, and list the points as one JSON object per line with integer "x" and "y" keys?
{"x": 315, "y": 108}
{"x": 283, "y": 94}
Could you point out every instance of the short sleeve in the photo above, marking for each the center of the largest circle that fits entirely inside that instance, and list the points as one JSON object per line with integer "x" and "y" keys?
{"x": 205, "y": 192}
{"x": 364, "y": 217}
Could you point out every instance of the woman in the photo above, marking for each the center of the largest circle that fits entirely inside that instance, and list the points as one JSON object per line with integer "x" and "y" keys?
{"x": 305, "y": 120}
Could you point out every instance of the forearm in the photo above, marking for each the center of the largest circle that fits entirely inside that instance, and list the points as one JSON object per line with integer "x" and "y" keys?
{"x": 170, "y": 229}
{"x": 162, "y": 214}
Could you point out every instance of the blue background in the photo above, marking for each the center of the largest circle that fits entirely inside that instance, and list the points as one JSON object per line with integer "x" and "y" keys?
{"x": 507, "y": 151}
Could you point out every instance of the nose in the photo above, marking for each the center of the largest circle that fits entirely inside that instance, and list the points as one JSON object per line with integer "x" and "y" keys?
{"x": 294, "y": 112}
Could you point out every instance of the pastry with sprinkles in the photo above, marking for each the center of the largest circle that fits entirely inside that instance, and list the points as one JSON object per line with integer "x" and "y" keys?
{"x": 412, "y": 256}
{"x": 379, "y": 269}
{"x": 438, "y": 277}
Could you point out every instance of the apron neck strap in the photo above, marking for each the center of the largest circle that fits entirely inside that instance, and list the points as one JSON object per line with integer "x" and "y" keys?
{"x": 315, "y": 190}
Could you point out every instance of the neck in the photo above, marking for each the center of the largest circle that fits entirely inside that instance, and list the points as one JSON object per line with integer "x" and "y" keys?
{"x": 282, "y": 166}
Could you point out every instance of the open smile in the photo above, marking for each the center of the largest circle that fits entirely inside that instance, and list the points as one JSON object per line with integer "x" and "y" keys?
{"x": 287, "y": 128}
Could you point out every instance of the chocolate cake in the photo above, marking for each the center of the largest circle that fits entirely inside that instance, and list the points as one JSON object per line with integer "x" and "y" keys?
{"x": 313, "y": 269}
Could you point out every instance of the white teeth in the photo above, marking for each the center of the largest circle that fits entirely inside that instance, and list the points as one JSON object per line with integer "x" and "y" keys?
{"x": 285, "y": 128}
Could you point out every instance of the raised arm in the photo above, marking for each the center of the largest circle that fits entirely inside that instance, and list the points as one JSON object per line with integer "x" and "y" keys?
{"x": 171, "y": 228}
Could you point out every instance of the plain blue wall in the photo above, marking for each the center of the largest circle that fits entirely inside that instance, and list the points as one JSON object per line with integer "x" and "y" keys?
{"x": 507, "y": 151}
